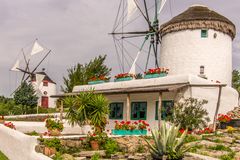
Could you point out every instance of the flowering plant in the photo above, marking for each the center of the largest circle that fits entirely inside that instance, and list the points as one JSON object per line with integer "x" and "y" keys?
{"x": 123, "y": 75}
{"x": 142, "y": 125}
{"x": 127, "y": 125}
{"x": 205, "y": 131}
{"x": 224, "y": 118}
{"x": 92, "y": 137}
{"x": 10, "y": 125}
{"x": 157, "y": 71}
{"x": 101, "y": 77}
{"x": 54, "y": 124}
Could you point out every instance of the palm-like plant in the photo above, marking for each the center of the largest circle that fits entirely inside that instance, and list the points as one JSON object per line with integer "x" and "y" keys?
{"x": 87, "y": 108}
{"x": 78, "y": 108}
{"x": 167, "y": 143}
{"x": 99, "y": 111}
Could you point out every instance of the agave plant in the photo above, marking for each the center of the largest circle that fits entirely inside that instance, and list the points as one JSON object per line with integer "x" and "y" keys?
{"x": 167, "y": 143}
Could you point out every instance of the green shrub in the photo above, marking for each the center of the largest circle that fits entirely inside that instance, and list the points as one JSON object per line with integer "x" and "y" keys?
{"x": 110, "y": 146}
{"x": 140, "y": 149}
{"x": 220, "y": 147}
{"x": 190, "y": 138}
{"x": 96, "y": 156}
{"x": 195, "y": 148}
{"x": 58, "y": 156}
{"x": 53, "y": 143}
{"x": 190, "y": 114}
{"x": 229, "y": 156}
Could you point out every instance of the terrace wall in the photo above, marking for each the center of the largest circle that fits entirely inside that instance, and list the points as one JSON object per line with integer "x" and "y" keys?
{"x": 18, "y": 146}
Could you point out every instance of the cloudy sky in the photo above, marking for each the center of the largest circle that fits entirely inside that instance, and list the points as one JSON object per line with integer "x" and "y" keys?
{"x": 77, "y": 31}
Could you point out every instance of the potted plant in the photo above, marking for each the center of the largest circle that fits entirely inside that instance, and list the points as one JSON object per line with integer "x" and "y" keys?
{"x": 156, "y": 72}
{"x": 98, "y": 79}
{"x": 55, "y": 127}
{"x": 94, "y": 141}
{"x": 51, "y": 146}
{"x": 123, "y": 77}
{"x": 224, "y": 120}
{"x": 2, "y": 119}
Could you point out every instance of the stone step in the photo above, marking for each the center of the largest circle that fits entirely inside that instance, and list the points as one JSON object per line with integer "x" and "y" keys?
{"x": 90, "y": 153}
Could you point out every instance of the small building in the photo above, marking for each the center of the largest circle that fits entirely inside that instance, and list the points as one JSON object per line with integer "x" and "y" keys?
{"x": 197, "y": 48}
{"x": 45, "y": 89}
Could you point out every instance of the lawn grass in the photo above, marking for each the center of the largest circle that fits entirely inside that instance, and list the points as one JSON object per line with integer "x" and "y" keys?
{"x": 2, "y": 156}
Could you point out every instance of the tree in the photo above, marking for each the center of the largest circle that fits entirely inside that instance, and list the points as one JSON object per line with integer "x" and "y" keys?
{"x": 26, "y": 97}
{"x": 190, "y": 114}
{"x": 81, "y": 74}
{"x": 236, "y": 80}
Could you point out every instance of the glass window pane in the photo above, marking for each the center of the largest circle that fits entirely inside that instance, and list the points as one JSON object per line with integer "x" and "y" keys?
{"x": 138, "y": 110}
{"x": 116, "y": 111}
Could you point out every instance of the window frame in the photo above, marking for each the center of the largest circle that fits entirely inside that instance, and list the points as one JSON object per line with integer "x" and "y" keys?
{"x": 204, "y": 35}
{"x": 138, "y": 115}
{"x": 45, "y": 83}
{"x": 122, "y": 107}
{"x": 156, "y": 107}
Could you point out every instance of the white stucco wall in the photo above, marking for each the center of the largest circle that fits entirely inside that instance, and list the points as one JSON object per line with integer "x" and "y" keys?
{"x": 229, "y": 99}
{"x": 18, "y": 146}
{"x": 184, "y": 52}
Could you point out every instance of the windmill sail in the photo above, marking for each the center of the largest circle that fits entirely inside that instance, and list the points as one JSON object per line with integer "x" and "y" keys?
{"x": 132, "y": 8}
{"x": 163, "y": 2}
{"x": 16, "y": 66}
{"x": 133, "y": 67}
{"x": 36, "y": 48}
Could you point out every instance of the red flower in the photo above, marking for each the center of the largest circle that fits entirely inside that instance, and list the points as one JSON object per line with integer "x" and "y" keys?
{"x": 181, "y": 131}
{"x": 135, "y": 123}
{"x": 81, "y": 139}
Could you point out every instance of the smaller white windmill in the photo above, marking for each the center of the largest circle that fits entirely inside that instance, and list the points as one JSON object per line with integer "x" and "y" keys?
{"x": 23, "y": 65}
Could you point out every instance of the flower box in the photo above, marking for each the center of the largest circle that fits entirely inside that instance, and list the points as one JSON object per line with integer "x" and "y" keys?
{"x": 156, "y": 75}
{"x": 123, "y": 79}
{"x": 129, "y": 132}
{"x": 96, "y": 82}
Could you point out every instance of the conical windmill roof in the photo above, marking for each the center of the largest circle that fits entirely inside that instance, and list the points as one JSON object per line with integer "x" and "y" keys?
{"x": 199, "y": 17}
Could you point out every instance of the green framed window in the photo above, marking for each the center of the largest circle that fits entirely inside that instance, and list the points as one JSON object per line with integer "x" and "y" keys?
{"x": 204, "y": 33}
{"x": 138, "y": 110}
{"x": 116, "y": 110}
{"x": 167, "y": 107}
